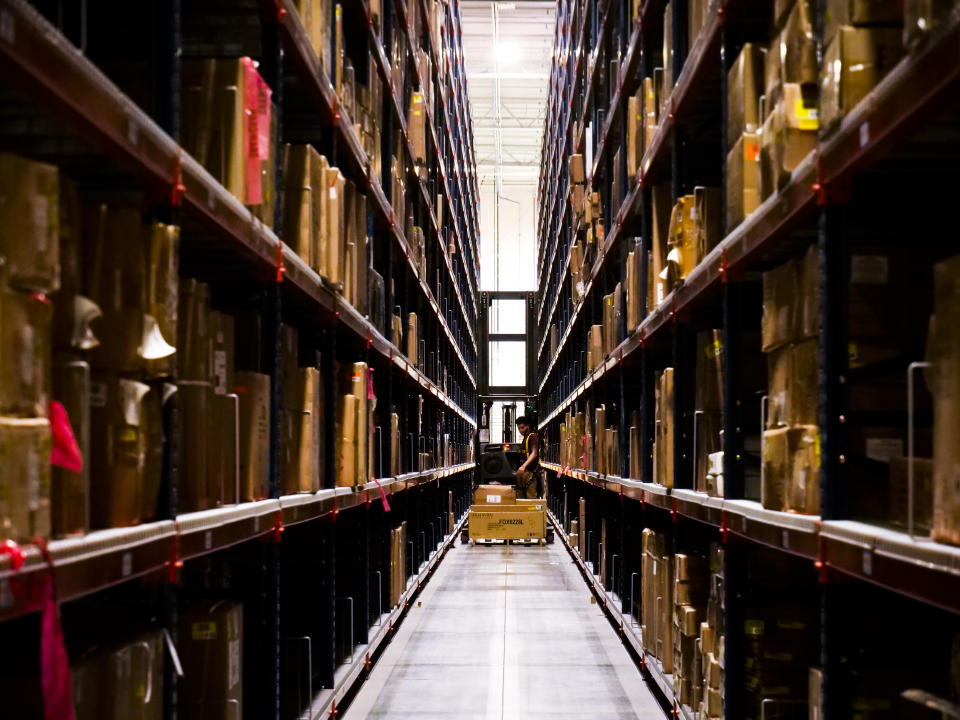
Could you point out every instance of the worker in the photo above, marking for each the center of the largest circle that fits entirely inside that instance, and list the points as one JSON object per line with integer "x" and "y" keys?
{"x": 529, "y": 474}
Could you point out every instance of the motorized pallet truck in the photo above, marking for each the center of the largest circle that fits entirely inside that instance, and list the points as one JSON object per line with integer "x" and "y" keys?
{"x": 497, "y": 516}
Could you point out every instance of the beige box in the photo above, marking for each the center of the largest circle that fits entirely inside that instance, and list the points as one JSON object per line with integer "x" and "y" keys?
{"x": 29, "y": 204}
{"x": 210, "y": 640}
{"x": 743, "y": 179}
{"x": 578, "y": 173}
{"x": 119, "y": 431}
{"x": 517, "y": 523}
{"x": 778, "y": 324}
{"x": 25, "y": 332}
{"x": 859, "y": 12}
{"x": 744, "y": 88}
{"x": 253, "y": 390}
{"x": 789, "y": 135}
{"x": 853, "y": 63}
{"x": 495, "y": 495}
{"x": 25, "y": 445}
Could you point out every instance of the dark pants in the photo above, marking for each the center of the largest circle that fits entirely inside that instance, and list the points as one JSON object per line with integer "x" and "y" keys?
{"x": 530, "y": 483}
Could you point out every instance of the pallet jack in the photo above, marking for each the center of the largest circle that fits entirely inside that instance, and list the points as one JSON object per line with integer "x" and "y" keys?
{"x": 498, "y": 516}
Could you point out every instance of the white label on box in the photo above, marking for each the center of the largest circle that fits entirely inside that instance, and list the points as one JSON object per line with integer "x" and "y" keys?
{"x": 233, "y": 672}
{"x": 883, "y": 449}
{"x": 493, "y": 499}
{"x": 869, "y": 269}
{"x": 98, "y": 394}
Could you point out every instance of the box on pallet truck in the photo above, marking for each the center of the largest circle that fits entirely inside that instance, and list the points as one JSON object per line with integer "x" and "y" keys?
{"x": 519, "y": 522}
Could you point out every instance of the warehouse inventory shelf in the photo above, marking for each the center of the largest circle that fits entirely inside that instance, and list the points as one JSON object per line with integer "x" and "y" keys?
{"x": 903, "y": 95}
{"x": 330, "y": 110}
{"x": 88, "y": 564}
{"x": 913, "y": 566}
{"x": 81, "y": 92}
{"x": 630, "y": 631}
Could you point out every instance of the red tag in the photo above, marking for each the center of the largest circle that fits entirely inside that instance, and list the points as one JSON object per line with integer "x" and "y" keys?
{"x": 54, "y": 664}
{"x": 66, "y": 451}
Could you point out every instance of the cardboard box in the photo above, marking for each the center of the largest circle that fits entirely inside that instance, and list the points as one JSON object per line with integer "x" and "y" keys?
{"x": 417, "y": 127}
{"x": 789, "y": 135}
{"x": 775, "y": 469}
{"x": 517, "y": 523}
{"x": 859, "y": 12}
{"x": 577, "y": 167}
{"x": 210, "y": 641}
{"x": 495, "y": 495}
{"x": 853, "y": 63}
{"x": 707, "y": 219}
{"x": 335, "y": 214}
{"x": 815, "y": 694}
{"x": 25, "y": 445}
{"x": 253, "y": 390}
{"x": 798, "y": 45}
{"x": 744, "y": 88}
{"x": 663, "y": 448}
{"x": 25, "y": 331}
{"x": 780, "y": 291}
{"x": 119, "y": 430}
{"x": 582, "y": 527}
{"x": 413, "y": 339}
{"x": 743, "y": 179}
{"x": 708, "y": 395}
{"x": 803, "y": 493}
{"x": 650, "y": 116}
{"x": 635, "y": 123}
{"x": 634, "y": 289}
{"x": 944, "y": 353}
{"x": 347, "y": 442}
{"x": 793, "y": 374}
{"x": 29, "y": 203}
{"x": 298, "y": 199}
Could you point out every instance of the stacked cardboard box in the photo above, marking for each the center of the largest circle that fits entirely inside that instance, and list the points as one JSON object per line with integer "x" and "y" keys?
{"x": 229, "y": 126}
{"x": 663, "y": 442}
{"x": 708, "y": 404}
{"x": 315, "y": 16}
{"x": 301, "y": 418}
{"x": 744, "y": 89}
{"x": 398, "y": 563}
{"x": 690, "y": 590}
{"x": 634, "y": 300}
{"x": 711, "y": 643}
{"x": 210, "y": 645}
{"x": 790, "y": 112}
{"x": 791, "y": 445}
{"x": 612, "y": 320}
{"x": 657, "y": 602}
{"x": 862, "y": 43}
{"x": 29, "y": 268}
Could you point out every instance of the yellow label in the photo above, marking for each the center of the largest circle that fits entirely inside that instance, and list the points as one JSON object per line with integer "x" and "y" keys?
{"x": 203, "y": 631}
{"x": 807, "y": 118}
{"x": 128, "y": 435}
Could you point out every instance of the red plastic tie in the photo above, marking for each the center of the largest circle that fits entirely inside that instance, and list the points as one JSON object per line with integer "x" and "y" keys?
{"x": 281, "y": 11}
{"x": 278, "y": 527}
{"x": 9, "y": 547}
{"x": 175, "y": 562}
{"x": 178, "y": 188}
{"x": 724, "y": 529}
{"x": 281, "y": 268}
{"x": 724, "y": 275}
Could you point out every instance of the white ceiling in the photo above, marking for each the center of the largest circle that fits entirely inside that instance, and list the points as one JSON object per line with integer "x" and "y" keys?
{"x": 507, "y": 47}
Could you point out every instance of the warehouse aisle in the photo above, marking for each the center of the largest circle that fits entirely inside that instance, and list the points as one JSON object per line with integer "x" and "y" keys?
{"x": 505, "y": 633}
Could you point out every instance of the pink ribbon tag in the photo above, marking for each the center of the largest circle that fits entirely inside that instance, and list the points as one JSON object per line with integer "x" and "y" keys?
{"x": 383, "y": 496}
{"x": 54, "y": 664}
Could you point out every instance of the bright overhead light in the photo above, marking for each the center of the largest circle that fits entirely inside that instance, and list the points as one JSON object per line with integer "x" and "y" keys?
{"x": 506, "y": 6}
{"x": 506, "y": 52}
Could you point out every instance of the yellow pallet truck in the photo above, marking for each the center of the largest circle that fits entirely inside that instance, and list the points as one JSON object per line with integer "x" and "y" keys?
{"x": 498, "y": 516}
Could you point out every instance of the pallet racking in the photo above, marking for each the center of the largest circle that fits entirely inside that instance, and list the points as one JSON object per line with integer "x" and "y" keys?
{"x": 879, "y": 165}
{"x": 68, "y": 101}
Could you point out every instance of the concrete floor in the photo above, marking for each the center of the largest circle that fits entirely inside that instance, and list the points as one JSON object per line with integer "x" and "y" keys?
{"x": 505, "y": 633}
